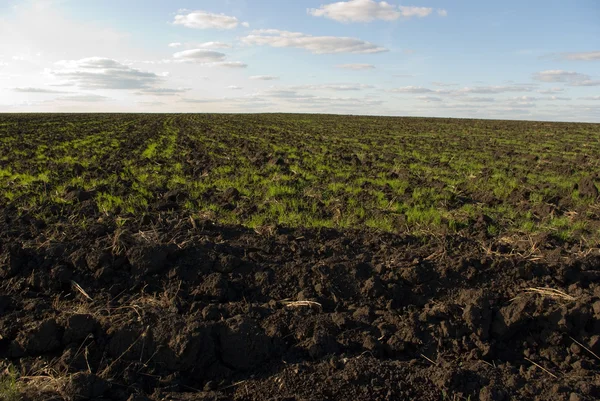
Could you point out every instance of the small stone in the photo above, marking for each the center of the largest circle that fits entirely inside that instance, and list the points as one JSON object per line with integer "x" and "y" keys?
{"x": 363, "y": 315}
{"x": 596, "y": 307}
{"x": 576, "y": 349}
{"x": 370, "y": 343}
{"x": 580, "y": 365}
{"x": 575, "y": 397}
{"x": 595, "y": 344}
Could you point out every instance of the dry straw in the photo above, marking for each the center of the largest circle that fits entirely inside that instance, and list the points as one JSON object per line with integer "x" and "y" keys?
{"x": 310, "y": 304}
{"x": 551, "y": 293}
{"x": 81, "y": 290}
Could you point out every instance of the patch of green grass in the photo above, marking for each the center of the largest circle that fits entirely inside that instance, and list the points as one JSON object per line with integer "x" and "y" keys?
{"x": 150, "y": 152}
{"x": 345, "y": 172}
{"x": 381, "y": 223}
{"x": 424, "y": 217}
{"x": 278, "y": 190}
{"x": 9, "y": 387}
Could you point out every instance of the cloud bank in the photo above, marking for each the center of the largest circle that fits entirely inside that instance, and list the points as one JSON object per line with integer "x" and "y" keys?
{"x": 206, "y": 20}
{"x": 370, "y": 10}
{"x": 314, "y": 44}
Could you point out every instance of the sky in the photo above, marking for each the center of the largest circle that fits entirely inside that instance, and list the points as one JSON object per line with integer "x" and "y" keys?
{"x": 532, "y": 60}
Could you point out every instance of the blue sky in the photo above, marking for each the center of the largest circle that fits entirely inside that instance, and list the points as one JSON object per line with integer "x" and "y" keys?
{"x": 466, "y": 58}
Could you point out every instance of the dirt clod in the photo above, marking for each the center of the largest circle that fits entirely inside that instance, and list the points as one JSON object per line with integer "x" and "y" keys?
{"x": 243, "y": 343}
{"x": 40, "y": 339}
{"x": 84, "y": 386}
{"x": 587, "y": 188}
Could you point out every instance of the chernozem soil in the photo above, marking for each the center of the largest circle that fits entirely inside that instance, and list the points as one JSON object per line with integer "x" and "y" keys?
{"x": 170, "y": 305}
{"x": 180, "y": 308}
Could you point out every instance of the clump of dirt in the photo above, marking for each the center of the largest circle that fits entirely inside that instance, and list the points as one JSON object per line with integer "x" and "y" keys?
{"x": 587, "y": 187}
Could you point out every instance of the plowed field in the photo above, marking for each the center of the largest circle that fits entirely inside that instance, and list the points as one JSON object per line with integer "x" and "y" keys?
{"x": 298, "y": 257}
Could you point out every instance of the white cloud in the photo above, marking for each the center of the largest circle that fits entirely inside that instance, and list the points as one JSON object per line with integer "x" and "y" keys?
{"x": 367, "y": 11}
{"x": 37, "y": 90}
{"x": 559, "y": 76}
{"x": 198, "y": 60}
{"x": 357, "y": 10}
{"x": 477, "y": 99}
{"x": 333, "y": 87}
{"x": 585, "y": 82}
{"x": 462, "y": 92}
{"x": 495, "y": 89}
{"x": 199, "y": 56}
{"x": 289, "y": 100}
{"x": 356, "y": 66}
{"x": 550, "y": 91}
{"x": 314, "y": 44}
{"x": 162, "y": 91}
{"x": 443, "y": 84}
{"x": 317, "y": 102}
{"x": 151, "y": 103}
{"x": 204, "y": 45}
{"x": 558, "y": 98}
{"x": 188, "y": 100}
{"x": 430, "y": 98}
{"x": 520, "y": 105}
{"x": 442, "y": 13}
{"x": 214, "y": 45}
{"x": 231, "y": 64}
{"x": 525, "y": 98}
{"x": 411, "y": 89}
{"x": 590, "y": 98}
{"x": 204, "y": 57}
{"x": 571, "y": 78}
{"x": 264, "y": 77}
{"x": 103, "y": 73}
{"x": 287, "y": 94}
{"x": 583, "y": 56}
{"x": 87, "y": 98}
{"x": 234, "y": 87}
{"x": 206, "y": 20}
{"x": 415, "y": 11}
{"x": 92, "y": 63}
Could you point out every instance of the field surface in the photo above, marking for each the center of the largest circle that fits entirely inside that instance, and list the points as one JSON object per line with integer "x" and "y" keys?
{"x": 298, "y": 257}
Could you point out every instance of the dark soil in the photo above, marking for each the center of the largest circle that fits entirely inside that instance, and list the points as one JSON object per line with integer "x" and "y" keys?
{"x": 183, "y": 309}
